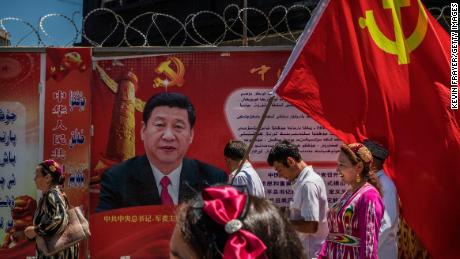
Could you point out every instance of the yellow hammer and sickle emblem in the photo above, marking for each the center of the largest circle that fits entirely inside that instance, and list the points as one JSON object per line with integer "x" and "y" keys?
{"x": 402, "y": 47}
{"x": 173, "y": 77}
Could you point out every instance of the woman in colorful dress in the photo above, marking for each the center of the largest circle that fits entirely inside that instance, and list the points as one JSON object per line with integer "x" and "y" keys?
{"x": 354, "y": 221}
{"x": 51, "y": 214}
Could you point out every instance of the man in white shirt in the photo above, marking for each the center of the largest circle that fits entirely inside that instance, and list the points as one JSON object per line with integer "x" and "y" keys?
{"x": 247, "y": 177}
{"x": 388, "y": 237}
{"x": 308, "y": 210}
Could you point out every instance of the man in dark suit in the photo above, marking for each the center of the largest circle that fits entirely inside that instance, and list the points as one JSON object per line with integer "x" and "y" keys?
{"x": 163, "y": 175}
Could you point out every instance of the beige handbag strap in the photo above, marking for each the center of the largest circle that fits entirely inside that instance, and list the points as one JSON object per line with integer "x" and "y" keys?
{"x": 69, "y": 206}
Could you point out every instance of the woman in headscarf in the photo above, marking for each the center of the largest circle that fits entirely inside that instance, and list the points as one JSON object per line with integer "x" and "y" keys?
{"x": 354, "y": 221}
{"x": 51, "y": 214}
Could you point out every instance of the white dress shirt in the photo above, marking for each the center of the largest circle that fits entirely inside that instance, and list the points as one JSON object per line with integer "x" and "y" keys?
{"x": 174, "y": 177}
{"x": 249, "y": 178}
{"x": 388, "y": 237}
{"x": 310, "y": 204}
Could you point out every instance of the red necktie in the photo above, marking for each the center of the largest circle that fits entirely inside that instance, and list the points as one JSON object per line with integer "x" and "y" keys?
{"x": 165, "y": 197}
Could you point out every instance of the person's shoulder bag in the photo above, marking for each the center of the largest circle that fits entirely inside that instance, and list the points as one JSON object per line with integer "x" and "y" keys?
{"x": 76, "y": 230}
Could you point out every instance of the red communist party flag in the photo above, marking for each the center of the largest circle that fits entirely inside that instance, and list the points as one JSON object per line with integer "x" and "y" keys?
{"x": 380, "y": 70}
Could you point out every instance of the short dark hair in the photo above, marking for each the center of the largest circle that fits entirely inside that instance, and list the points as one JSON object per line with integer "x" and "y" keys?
{"x": 177, "y": 100}
{"x": 208, "y": 238}
{"x": 235, "y": 150}
{"x": 281, "y": 151}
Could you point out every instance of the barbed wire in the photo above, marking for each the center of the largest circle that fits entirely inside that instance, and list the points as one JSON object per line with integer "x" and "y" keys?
{"x": 160, "y": 29}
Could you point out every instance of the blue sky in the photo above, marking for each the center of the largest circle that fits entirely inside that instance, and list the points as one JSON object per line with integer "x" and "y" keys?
{"x": 61, "y": 31}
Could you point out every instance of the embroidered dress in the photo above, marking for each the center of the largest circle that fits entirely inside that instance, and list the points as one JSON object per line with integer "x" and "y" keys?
{"x": 354, "y": 223}
{"x": 50, "y": 218}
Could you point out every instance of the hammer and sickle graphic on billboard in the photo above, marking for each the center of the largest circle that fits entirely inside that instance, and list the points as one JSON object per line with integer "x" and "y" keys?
{"x": 401, "y": 46}
{"x": 173, "y": 77}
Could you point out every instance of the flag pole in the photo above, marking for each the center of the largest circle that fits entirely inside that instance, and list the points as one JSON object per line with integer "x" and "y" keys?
{"x": 320, "y": 8}
{"x": 292, "y": 58}
{"x": 254, "y": 137}
{"x": 302, "y": 40}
